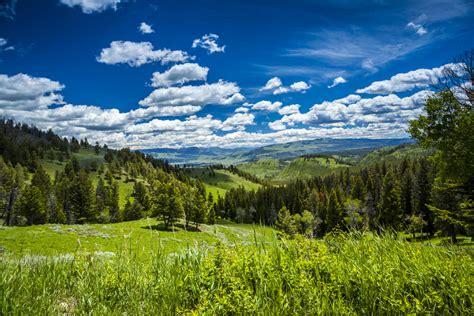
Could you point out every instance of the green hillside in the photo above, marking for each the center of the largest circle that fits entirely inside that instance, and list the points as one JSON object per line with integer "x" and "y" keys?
{"x": 88, "y": 158}
{"x": 279, "y": 172}
{"x": 218, "y": 182}
{"x": 395, "y": 153}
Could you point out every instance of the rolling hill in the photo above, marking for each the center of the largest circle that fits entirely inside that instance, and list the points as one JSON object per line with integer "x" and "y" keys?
{"x": 209, "y": 156}
{"x": 218, "y": 181}
{"x": 282, "y": 171}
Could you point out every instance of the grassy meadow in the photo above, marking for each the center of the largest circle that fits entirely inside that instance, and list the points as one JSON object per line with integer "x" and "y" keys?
{"x": 142, "y": 237}
{"x": 219, "y": 182}
{"x": 279, "y": 172}
{"x": 350, "y": 274}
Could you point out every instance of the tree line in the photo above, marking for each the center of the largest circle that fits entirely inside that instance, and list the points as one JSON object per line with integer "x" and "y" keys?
{"x": 90, "y": 192}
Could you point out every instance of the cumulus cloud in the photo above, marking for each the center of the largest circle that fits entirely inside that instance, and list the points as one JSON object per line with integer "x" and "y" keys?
{"x": 276, "y": 86}
{"x": 219, "y": 93}
{"x": 241, "y": 110}
{"x": 289, "y": 109}
{"x": 145, "y": 28}
{"x": 351, "y": 98}
{"x": 238, "y": 121}
{"x": 160, "y": 111}
{"x": 23, "y": 92}
{"x": 264, "y": 105}
{"x": 277, "y": 125}
{"x": 209, "y": 43}
{"x": 39, "y": 101}
{"x": 91, "y": 6}
{"x": 418, "y": 28}
{"x": 420, "y": 78}
{"x": 179, "y": 75}
{"x": 136, "y": 54}
{"x": 337, "y": 81}
{"x": 272, "y": 84}
{"x": 192, "y": 123}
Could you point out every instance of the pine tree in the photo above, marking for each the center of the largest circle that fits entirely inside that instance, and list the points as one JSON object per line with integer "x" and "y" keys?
{"x": 421, "y": 196}
{"x": 82, "y": 198}
{"x": 168, "y": 204}
{"x": 284, "y": 222}
{"x": 334, "y": 214}
{"x": 389, "y": 205}
{"x": 31, "y": 206}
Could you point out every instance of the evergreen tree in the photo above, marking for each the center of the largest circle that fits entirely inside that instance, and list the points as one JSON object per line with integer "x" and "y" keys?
{"x": 284, "y": 223}
{"x": 168, "y": 204}
{"x": 31, "y": 205}
{"x": 389, "y": 206}
{"x": 334, "y": 214}
{"x": 82, "y": 198}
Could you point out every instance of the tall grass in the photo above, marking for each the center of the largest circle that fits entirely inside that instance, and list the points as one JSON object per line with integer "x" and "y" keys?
{"x": 344, "y": 274}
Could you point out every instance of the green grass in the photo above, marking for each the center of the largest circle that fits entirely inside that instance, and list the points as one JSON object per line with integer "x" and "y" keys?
{"x": 142, "y": 236}
{"x": 264, "y": 168}
{"x": 222, "y": 181}
{"x": 349, "y": 274}
{"x": 280, "y": 172}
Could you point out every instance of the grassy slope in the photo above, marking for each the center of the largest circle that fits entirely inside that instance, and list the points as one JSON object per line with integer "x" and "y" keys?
{"x": 85, "y": 157}
{"x": 300, "y": 168}
{"x": 142, "y": 236}
{"x": 394, "y": 153}
{"x": 222, "y": 181}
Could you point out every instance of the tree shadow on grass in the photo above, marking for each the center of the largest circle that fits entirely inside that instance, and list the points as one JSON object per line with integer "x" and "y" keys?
{"x": 171, "y": 228}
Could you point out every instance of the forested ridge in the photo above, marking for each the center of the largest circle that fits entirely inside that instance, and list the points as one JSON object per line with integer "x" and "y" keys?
{"x": 29, "y": 195}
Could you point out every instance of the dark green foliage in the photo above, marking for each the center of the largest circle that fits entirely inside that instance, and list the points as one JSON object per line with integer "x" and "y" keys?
{"x": 168, "y": 203}
{"x": 72, "y": 197}
{"x": 31, "y": 206}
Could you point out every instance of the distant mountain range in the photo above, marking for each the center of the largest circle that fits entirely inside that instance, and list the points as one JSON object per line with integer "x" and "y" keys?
{"x": 228, "y": 156}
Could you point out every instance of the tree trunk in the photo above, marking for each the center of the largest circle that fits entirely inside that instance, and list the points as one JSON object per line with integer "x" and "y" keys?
{"x": 11, "y": 202}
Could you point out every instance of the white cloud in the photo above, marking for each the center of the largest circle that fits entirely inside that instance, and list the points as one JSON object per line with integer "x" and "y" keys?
{"x": 209, "y": 43}
{"x": 381, "y": 109}
{"x": 179, "y": 74}
{"x": 276, "y": 86}
{"x": 23, "y": 92}
{"x": 289, "y": 109}
{"x": 192, "y": 123}
{"x": 264, "y": 105}
{"x": 138, "y": 53}
{"x": 241, "y": 110}
{"x": 33, "y": 100}
{"x": 351, "y": 98}
{"x": 91, "y": 6}
{"x": 160, "y": 111}
{"x": 3, "y": 43}
{"x": 238, "y": 121}
{"x": 420, "y": 78}
{"x": 145, "y": 28}
{"x": 277, "y": 125}
{"x": 418, "y": 28}
{"x": 337, "y": 81}
{"x": 272, "y": 84}
{"x": 219, "y": 93}
{"x": 299, "y": 86}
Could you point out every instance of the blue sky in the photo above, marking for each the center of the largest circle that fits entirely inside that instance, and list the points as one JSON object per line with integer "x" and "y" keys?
{"x": 85, "y": 67}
